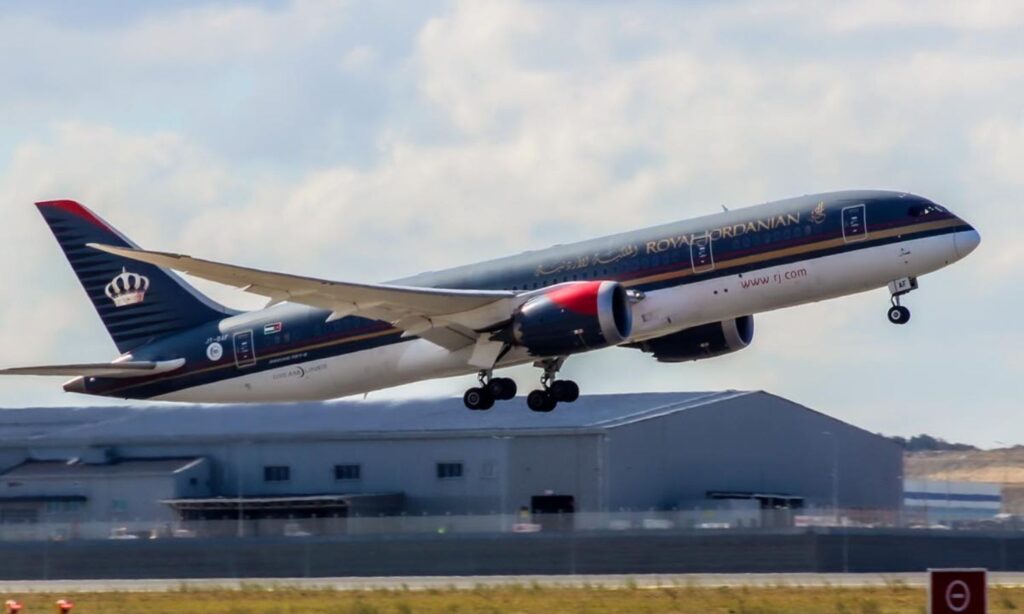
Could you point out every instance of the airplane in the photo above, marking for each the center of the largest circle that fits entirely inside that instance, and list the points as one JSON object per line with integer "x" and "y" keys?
{"x": 682, "y": 291}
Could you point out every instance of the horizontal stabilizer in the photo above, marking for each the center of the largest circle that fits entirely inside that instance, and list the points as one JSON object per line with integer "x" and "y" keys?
{"x": 104, "y": 369}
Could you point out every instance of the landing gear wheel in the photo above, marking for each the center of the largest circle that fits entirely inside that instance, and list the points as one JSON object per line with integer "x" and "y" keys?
{"x": 541, "y": 400}
{"x": 502, "y": 388}
{"x": 565, "y": 390}
{"x": 478, "y": 399}
{"x": 899, "y": 315}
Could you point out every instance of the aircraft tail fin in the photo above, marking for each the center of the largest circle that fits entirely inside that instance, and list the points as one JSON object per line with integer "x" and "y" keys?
{"x": 137, "y": 302}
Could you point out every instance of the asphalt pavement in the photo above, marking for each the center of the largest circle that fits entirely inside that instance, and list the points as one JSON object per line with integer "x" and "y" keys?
{"x": 812, "y": 580}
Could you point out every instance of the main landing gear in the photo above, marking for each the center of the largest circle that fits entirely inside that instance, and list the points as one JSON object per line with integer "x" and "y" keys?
{"x": 553, "y": 391}
{"x": 898, "y": 314}
{"x": 491, "y": 389}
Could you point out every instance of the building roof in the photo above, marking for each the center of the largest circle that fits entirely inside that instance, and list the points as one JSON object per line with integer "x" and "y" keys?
{"x": 170, "y": 423}
{"x": 64, "y": 469}
{"x": 279, "y": 502}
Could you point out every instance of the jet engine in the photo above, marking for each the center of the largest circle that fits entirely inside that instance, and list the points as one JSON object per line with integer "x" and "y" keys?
{"x": 700, "y": 342}
{"x": 573, "y": 317}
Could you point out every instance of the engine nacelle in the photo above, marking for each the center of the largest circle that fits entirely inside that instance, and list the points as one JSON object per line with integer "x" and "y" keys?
{"x": 573, "y": 317}
{"x": 700, "y": 342}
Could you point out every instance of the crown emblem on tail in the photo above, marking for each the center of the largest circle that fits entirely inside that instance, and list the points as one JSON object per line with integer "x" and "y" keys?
{"x": 127, "y": 288}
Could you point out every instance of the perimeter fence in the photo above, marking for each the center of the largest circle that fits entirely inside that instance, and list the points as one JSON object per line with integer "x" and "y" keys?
{"x": 676, "y": 521}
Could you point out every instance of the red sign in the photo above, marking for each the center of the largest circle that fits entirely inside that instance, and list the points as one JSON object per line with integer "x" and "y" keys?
{"x": 958, "y": 591}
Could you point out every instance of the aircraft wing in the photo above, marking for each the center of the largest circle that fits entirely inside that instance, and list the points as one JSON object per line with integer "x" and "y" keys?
{"x": 449, "y": 318}
{"x": 137, "y": 368}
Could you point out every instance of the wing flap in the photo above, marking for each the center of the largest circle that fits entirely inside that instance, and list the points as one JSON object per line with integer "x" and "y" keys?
{"x": 415, "y": 310}
{"x": 136, "y": 368}
{"x": 321, "y": 292}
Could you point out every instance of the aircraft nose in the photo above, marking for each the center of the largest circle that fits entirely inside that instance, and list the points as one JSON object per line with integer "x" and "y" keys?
{"x": 966, "y": 242}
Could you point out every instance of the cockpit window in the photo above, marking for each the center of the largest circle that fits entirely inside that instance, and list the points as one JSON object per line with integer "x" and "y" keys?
{"x": 924, "y": 210}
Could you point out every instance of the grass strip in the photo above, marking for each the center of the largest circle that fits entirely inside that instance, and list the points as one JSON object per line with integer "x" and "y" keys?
{"x": 525, "y": 599}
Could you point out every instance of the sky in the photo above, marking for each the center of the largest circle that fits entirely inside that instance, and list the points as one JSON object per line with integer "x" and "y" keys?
{"x": 366, "y": 141}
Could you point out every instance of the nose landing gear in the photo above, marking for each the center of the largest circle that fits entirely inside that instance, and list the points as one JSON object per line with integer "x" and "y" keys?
{"x": 898, "y": 314}
{"x": 553, "y": 391}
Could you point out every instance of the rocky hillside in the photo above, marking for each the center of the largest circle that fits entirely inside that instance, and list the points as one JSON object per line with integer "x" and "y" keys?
{"x": 1005, "y": 466}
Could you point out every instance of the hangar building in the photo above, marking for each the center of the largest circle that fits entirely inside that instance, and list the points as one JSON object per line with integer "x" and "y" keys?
{"x": 603, "y": 453}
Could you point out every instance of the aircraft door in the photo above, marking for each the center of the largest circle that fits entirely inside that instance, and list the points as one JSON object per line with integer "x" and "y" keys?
{"x": 245, "y": 350}
{"x": 855, "y": 224}
{"x": 702, "y": 255}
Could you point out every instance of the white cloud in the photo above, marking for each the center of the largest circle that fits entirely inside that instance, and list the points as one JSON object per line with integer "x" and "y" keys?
{"x": 998, "y": 144}
{"x": 359, "y": 58}
{"x": 952, "y": 14}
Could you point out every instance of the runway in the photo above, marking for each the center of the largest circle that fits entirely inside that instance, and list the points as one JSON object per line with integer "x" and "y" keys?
{"x": 419, "y": 583}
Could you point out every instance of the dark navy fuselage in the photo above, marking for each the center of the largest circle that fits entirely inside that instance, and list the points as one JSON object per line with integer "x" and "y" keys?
{"x": 724, "y": 244}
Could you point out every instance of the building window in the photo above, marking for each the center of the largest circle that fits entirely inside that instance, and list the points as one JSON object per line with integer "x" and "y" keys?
{"x": 119, "y": 505}
{"x": 348, "y": 472}
{"x": 277, "y": 473}
{"x": 488, "y": 471}
{"x": 448, "y": 471}
{"x": 68, "y": 506}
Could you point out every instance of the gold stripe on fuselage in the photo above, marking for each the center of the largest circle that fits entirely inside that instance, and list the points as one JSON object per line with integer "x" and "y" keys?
{"x": 797, "y": 250}
{"x": 228, "y": 365}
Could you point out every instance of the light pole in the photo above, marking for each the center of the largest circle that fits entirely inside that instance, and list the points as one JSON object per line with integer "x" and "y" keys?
{"x": 503, "y": 485}
{"x": 835, "y": 475}
{"x": 238, "y": 489}
{"x": 835, "y": 498}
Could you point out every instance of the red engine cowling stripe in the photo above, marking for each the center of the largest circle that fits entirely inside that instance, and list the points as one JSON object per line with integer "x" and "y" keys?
{"x": 580, "y": 297}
